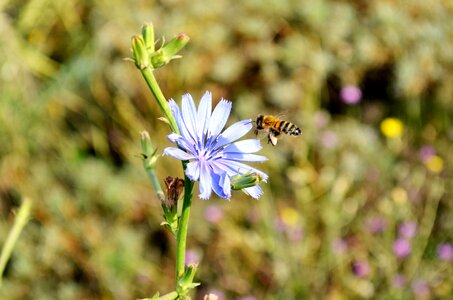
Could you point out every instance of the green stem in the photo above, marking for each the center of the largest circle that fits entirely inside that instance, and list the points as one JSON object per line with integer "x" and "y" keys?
{"x": 169, "y": 296}
{"x": 19, "y": 223}
{"x": 159, "y": 96}
{"x": 149, "y": 158}
{"x": 183, "y": 227}
{"x": 183, "y": 224}
{"x": 156, "y": 185}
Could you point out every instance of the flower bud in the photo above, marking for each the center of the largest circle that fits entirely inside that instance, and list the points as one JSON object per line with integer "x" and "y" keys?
{"x": 139, "y": 52}
{"x": 148, "y": 155}
{"x": 148, "y": 36}
{"x": 169, "y": 51}
{"x": 185, "y": 283}
{"x": 249, "y": 179}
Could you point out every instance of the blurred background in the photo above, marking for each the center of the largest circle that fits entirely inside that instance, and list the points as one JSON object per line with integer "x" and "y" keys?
{"x": 358, "y": 207}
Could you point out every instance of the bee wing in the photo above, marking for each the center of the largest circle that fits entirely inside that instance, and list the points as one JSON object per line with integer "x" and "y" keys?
{"x": 281, "y": 116}
{"x": 261, "y": 134}
{"x": 272, "y": 139}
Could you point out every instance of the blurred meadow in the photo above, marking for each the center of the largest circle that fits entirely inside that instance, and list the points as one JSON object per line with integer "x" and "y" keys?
{"x": 358, "y": 207}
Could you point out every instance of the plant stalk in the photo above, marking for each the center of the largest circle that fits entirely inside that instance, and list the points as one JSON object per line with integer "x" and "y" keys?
{"x": 159, "y": 96}
{"x": 183, "y": 223}
{"x": 19, "y": 223}
{"x": 183, "y": 226}
{"x": 156, "y": 185}
{"x": 169, "y": 296}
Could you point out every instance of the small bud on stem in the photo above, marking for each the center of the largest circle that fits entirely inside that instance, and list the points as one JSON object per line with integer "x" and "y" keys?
{"x": 139, "y": 52}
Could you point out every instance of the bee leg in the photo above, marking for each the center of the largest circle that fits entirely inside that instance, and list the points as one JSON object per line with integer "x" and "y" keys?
{"x": 274, "y": 132}
{"x": 258, "y": 128}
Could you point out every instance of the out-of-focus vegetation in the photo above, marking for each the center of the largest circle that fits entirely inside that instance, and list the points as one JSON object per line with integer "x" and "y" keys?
{"x": 354, "y": 208}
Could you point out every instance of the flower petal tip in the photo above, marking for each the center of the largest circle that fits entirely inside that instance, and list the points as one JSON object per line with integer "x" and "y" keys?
{"x": 204, "y": 196}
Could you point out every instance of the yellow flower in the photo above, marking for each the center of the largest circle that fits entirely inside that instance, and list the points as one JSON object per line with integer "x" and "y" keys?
{"x": 289, "y": 216}
{"x": 392, "y": 127}
{"x": 399, "y": 195}
{"x": 435, "y": 164}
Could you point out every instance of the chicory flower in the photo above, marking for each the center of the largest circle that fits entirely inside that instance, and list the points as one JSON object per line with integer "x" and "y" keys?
{"x": 214, "y": 156}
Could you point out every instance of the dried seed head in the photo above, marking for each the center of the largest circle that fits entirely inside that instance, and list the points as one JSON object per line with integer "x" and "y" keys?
{"x": 174, "y": 187}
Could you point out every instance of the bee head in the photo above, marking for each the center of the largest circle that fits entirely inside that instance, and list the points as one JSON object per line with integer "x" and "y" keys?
{"x": 259, "y": 119}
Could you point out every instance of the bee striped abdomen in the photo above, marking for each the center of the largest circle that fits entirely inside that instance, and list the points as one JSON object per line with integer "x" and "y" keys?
{"x": 288, "y": 128}
{"x": 285, "y": 126}
{"x": 294, "y": 130}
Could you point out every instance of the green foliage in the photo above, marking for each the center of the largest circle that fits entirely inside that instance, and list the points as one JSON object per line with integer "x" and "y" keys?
{"x": 71, "y": 111}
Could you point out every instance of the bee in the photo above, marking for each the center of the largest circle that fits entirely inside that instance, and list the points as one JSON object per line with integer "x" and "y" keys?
{"x": 275, "y": 127}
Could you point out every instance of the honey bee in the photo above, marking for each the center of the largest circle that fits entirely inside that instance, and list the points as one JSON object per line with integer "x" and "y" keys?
{"x": 275, "y": 127}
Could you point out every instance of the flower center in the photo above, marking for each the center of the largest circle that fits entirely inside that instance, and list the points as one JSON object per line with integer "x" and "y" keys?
{"x": 202, "y": 155}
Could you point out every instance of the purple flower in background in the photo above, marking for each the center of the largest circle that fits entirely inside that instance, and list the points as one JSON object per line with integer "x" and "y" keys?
{"x": 213, "y": 213}
{"x": 401, "y": 248}
{"x": 445, "y": 252}
{"x": 376, "y": 224}
{"x": 420, "y": 288}
{"x": 407, "y": 230}
{"x": 339, "y": 246}
{"x": 361, "y": 268}
{"x": 351, "y": 94}
{"x": 192, "y": 257}
{"x": 215, "y": 294}
{"x": 214, "y": 156}
{"x": 399, "y": 281}
{"x": 426, "y": 152}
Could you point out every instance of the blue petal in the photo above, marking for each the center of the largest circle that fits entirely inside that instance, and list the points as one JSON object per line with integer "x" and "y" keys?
{"x": 216, "y": 168}
{"x": 234, "y": 132}
{"x": 237, "y": 156}
{"x": 205, "y": 181}
{"x": 178, "y": 117}
{"x": 189, "y": 115}
{"x": 173, "y": 137}
{"x": 221, "y": 185}
{"x": 203, "y": 115}
{"x": 244, "y": 146}
{"x": 219, "y": 118}
{"x": 178, "y": 153}
{"x": 225, "y": 183}
{"x": 182, "y": 142}
{"x": 254, "y": 191}
{"x": 193, "y": 170}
